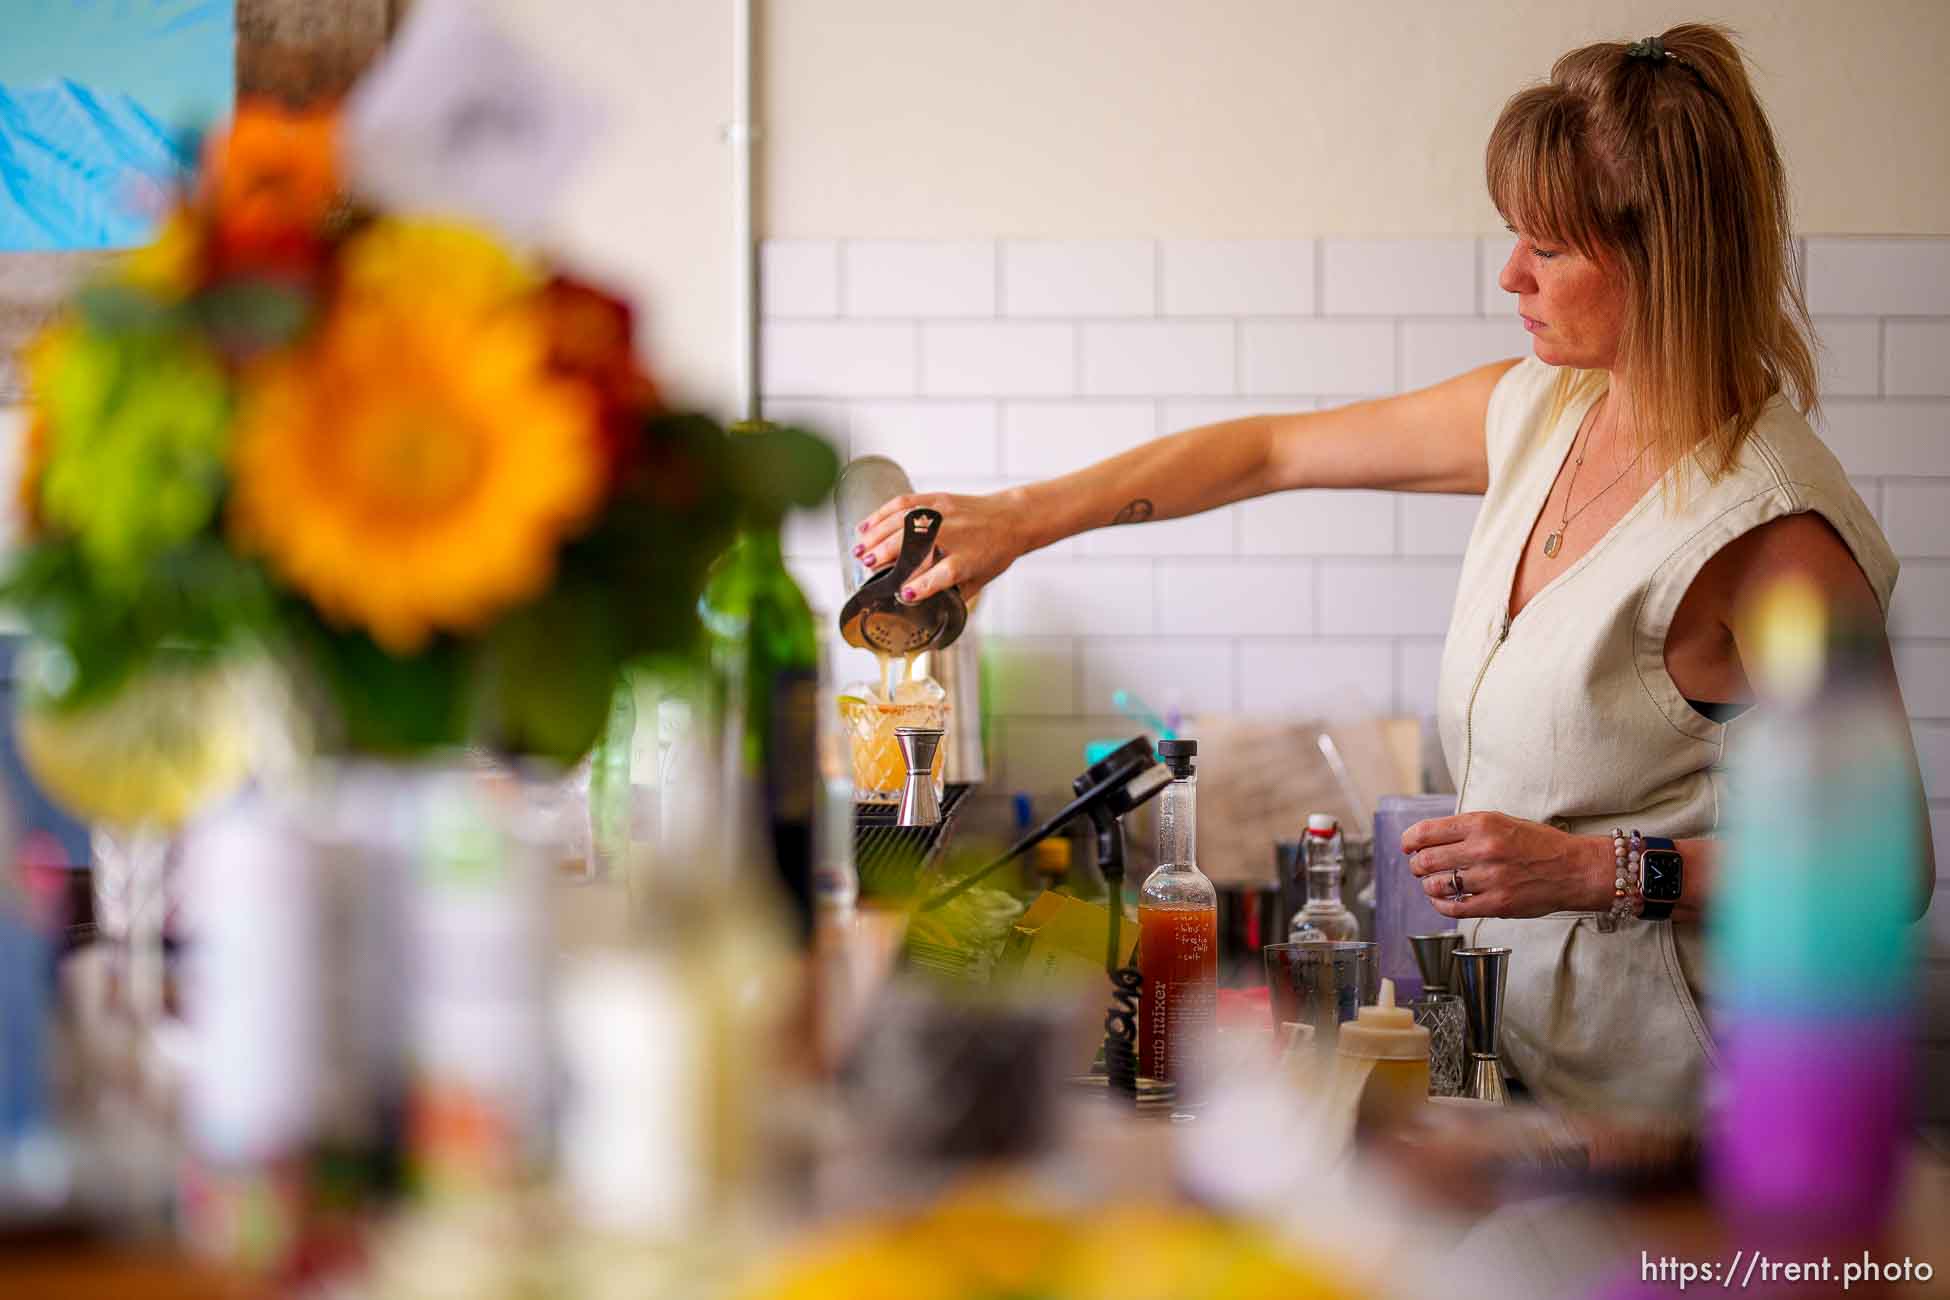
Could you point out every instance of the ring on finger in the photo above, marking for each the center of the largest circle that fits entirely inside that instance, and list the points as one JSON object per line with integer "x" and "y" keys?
{"x": 1455, "y": 882}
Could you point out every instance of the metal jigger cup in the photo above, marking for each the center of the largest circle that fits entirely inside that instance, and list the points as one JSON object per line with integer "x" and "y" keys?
{"x": 919, "y": 807}
{"x": 1480, "y": 976}
{"x": 1433, "y": 953}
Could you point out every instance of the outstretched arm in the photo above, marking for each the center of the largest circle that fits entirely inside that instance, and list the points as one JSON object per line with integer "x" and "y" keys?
{"x": 1430, "y": 440}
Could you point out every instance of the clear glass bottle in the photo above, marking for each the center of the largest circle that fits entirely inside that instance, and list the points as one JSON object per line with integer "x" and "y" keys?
{"x": 1178, "y": 933}
{"x": 1324, "y": 916}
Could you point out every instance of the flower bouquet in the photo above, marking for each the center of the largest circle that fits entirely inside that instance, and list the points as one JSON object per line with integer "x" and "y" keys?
{"x": 426, "y": 468}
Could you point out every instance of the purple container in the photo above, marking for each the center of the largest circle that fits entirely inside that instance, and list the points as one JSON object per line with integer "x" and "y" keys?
{"x": 1813, "y": 1126}
{"x": 1400, "y": 906}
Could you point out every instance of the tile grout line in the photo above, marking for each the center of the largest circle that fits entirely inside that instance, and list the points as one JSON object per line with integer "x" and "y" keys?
{"x": 1882, "y": 356}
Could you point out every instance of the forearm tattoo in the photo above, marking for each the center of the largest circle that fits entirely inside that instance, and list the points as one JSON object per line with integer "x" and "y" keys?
{"x": 1136, "y": 512}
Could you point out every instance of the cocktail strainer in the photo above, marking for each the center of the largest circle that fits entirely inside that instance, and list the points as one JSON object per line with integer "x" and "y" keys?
{"x": 874, "y": 617}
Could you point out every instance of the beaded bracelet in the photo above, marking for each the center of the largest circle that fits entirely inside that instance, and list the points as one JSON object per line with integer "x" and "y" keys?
{"x": 1626, "y": 900}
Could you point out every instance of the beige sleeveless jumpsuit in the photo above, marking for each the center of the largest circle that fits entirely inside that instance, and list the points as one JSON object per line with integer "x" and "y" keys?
{"x": 1566, "y": 715}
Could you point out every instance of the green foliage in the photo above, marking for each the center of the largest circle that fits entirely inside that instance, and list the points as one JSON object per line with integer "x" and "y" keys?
{"x": 249, "y": 315}
{"x": 139, "y": 466}
{"x": 197, "y": 594}
{"x": 385, "y": 704}
{"x": 549, "y": 671}
{"x": 775, "y": 467}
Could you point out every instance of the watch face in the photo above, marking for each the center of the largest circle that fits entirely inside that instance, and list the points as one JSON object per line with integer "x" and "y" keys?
{"x": 1659, "y": 875}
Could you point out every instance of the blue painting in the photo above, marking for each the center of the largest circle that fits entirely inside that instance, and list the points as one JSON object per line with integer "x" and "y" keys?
{"x": 100, "y": 104}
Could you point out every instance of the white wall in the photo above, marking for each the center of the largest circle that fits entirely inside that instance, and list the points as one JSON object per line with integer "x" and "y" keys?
{"x": 1234, "y": 118}
{"x": 651, "y": 211}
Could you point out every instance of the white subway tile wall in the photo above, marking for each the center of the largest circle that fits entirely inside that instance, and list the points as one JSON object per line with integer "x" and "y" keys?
{"x": 1044, "y": 439}
{"x": 1192, "y": 358}
{"x": 800, "y": 277}
{"x": 1398, "y": 277}
{"x": 1879, "y": 277}
{"x": 1348, "y": 358}
{"x": 918, "y": 278}
{"x": 1238, "y": 277}
{"x": 957, "y": 438}
{"x": 1079, "y": 278}
{"x": 1850, "y": 356}
{"x": 1916, "y": 358}
{"x": 971, "y": 360}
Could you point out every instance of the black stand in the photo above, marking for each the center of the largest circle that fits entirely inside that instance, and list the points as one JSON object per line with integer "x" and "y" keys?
{"x": 1126, "y": 982}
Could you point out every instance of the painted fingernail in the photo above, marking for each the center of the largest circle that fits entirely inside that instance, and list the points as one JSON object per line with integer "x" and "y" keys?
{"x": 907, "y": 593}
{"x": 860, "y": 549}
{"x": 860, "y": 527}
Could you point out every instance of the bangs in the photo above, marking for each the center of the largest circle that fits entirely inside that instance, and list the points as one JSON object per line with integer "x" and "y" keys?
{"x": 1539, "y": 174}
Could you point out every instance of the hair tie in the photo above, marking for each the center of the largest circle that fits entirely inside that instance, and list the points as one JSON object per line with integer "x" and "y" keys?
{"x": 1651, "y": 48}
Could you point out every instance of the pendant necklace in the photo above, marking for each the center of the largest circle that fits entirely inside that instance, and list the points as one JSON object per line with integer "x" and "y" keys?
{"x": 1555, "y": 541}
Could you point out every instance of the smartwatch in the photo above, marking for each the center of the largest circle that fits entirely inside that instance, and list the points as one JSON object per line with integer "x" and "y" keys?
{"x": 1662, "y": 874}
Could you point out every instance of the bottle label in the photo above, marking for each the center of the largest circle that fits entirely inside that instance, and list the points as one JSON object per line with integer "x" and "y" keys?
{"x": 1178, "y": 956}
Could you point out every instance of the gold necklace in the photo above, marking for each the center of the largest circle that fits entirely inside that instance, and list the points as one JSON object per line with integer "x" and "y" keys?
{"x": 1555, "y": 541}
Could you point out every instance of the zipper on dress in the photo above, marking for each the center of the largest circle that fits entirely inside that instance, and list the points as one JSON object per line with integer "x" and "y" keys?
{"x": 1469, "y": 710}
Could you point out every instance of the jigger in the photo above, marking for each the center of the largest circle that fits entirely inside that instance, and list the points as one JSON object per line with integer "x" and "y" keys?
{"x": 1432, "y": 954}
{"x": 1480, "y": 973}
{"x": 919, "y": 807}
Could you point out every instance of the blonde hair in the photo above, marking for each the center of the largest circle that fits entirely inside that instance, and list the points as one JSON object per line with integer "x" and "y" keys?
{"x": 1656, "y": 158}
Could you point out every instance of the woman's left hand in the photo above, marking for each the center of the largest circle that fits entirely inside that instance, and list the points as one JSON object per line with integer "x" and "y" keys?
{"x": 1507, "y": 866}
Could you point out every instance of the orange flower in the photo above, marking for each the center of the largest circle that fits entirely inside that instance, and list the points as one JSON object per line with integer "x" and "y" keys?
{"x": 414, "y": 469}
{"x": 270, "y": 184}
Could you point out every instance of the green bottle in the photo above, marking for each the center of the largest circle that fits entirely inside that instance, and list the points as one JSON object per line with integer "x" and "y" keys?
{"x": 765, "y": 646}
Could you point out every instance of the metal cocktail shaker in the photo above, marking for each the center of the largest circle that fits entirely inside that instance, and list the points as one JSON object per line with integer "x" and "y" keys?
{"x": 1480, "y": 976}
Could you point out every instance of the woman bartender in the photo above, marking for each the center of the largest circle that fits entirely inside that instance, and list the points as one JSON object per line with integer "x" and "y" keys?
{"x": 1646, "y": 468}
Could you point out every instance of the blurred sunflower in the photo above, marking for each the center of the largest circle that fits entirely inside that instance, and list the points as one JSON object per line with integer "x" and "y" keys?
{"x": 413, "y": 469}
{"x": 409, "y": 261}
